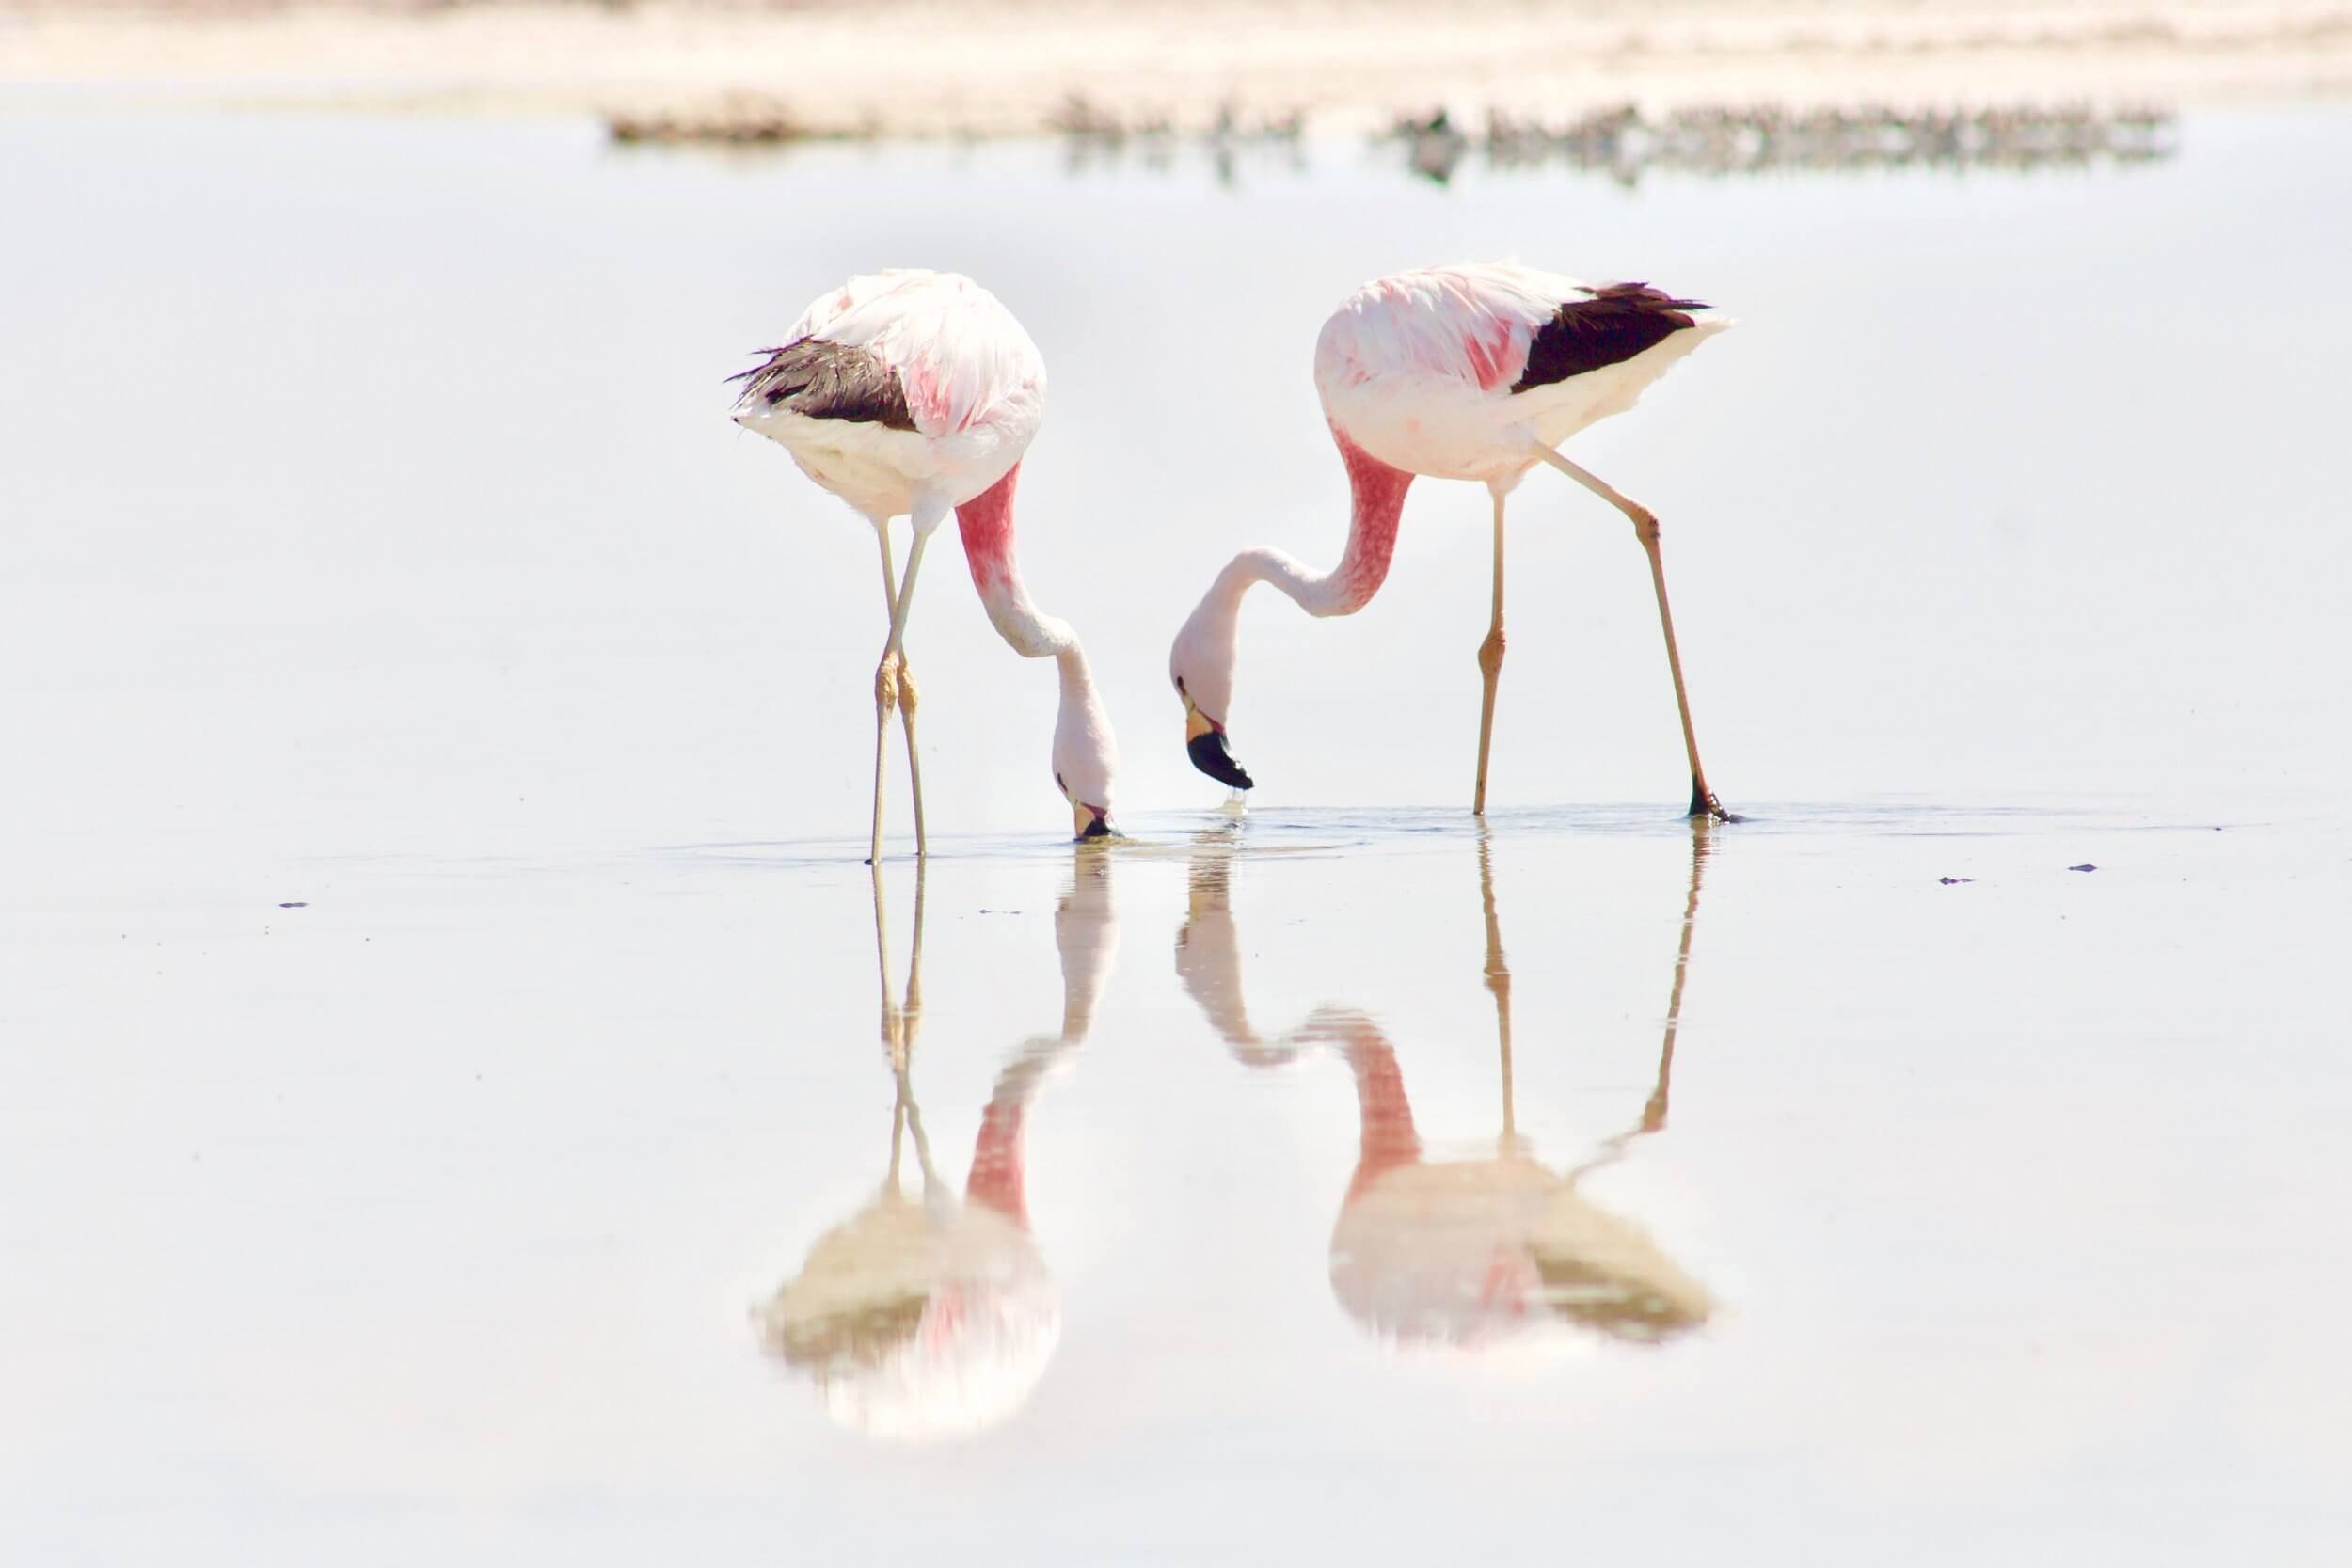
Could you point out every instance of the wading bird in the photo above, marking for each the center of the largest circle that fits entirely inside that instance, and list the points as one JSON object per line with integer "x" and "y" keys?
{"x": 1472, "y": 372}
{"x": 910, "y": 393}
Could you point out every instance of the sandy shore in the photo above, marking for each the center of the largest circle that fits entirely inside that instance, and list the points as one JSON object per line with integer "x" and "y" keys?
{"x": 908, "y": 67}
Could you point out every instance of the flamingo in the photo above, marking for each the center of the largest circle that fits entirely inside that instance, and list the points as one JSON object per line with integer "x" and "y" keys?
{"x": 1475, "y": 372}
{"x": 913, "y": 393}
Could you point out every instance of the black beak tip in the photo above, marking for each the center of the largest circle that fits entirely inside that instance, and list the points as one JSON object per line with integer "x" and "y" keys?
{"x": 1210, "y": 756}
{"x": 1100, "y": 828}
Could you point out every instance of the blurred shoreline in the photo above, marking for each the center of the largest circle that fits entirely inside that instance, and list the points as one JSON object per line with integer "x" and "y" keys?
{"x": 910, "y": 68}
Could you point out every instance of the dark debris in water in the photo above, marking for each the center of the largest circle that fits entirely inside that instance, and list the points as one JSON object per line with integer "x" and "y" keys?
{"x": 737, "y": 120}
{"x": 1748, "y": 139}
{"x": 2085, "y": 866}
{"x": 1096, "y": 133}
{"x": 1618, "y": 140}
{"x": 1954, "y": 882}
{"x": 1080, "y": 117}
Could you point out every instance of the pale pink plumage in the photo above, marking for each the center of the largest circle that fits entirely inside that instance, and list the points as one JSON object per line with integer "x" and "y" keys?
{"x": 974, "y": 389}
{"x": 1436, "y": 373}
{"x": 1417, "y": 369}
{"x": 963, "y": 357}
{"x": 975, "y": 386}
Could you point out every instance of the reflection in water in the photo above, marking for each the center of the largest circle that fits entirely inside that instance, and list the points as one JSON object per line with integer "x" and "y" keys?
{"x": 1208, "y": 950}
{"x": 1096, "y": 135}
{"x": 1619, "y": 142}
{"x": 930, "y": 1315}
{"x": 1462, "y": 1253}
{"x": 1757, "y": 138}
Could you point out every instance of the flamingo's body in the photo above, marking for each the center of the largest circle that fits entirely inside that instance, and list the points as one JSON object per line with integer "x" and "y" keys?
{"x": 906, "y": 386}
{"x": 1422, "y": 369}
{"x": 1473, "y": 373}
{"x": 912, "y": 393}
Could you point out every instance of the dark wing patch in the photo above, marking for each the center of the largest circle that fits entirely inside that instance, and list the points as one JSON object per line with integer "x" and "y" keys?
{"x": 824, "y": 380}
{"x": 1617, "y": 322}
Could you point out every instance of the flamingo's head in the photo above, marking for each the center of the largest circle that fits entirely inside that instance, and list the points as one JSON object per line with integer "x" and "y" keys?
{"x": 1086, "y": 754}
{"x": 1201, "y": 666}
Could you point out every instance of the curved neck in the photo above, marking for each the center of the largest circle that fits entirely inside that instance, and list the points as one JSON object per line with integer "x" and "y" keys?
{"x": 1386, "y": 1135}
{"x": 996, "y": 1178}
{"x": 997, "y": 1166}
{"x": 1207, "y": 648}
{"x": 1085, "y": 935}
{"x": 1376, "y": 492}
{"x": 986, "y": 524}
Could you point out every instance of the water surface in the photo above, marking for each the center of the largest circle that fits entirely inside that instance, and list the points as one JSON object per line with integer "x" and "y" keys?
{"x": 1862, "y": 1180}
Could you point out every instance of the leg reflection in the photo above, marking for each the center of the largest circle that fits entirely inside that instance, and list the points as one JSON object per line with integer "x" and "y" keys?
{"x": 1654, "y": 1114}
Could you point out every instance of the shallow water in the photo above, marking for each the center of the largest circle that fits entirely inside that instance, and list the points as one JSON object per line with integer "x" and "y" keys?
{"x": 1859, "y": 1175}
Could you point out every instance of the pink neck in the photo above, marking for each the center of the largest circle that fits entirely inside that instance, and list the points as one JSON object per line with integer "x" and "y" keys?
{"x": 1377, "y": 491}
{"x": 996, "y": 1175}
{"x": 986, "y": 523}
{"x": 1386, "y": 1137}
{"x": 1209, "y": 644}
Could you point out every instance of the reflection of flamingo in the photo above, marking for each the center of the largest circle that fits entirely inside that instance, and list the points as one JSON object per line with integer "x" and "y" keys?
{"x": 929, "y": 1316}
{"x": 1474, "y": 372}
{"x": 912, "y": 395}
{"x": 1472, "y": 1253}
{"x": 1208, "y": 950}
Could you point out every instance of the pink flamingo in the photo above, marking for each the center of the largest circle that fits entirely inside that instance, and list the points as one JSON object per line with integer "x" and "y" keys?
{"x": 910, "y": 393}
{"x": 1478, "y": 372}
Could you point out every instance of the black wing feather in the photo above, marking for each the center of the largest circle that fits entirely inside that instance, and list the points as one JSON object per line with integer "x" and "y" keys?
{"x": 825, "y": 380}
{"x": 1617, "y": 322}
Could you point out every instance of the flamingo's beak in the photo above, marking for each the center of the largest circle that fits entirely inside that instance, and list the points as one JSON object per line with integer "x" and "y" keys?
{"x": 1204, "y": 739}
{"x": 1092, "y": 821}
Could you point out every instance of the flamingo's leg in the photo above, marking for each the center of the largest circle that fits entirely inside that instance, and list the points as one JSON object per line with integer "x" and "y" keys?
{"x": 1703, "y": 801}
{"x": 1490, "y": 670}
{"x": 885, "y": 684}
{"x": 914, "y": 760}
{"x": 925, "y": 519}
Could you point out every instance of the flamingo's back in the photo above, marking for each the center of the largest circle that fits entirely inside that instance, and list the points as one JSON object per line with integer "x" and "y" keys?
{"x": 1454, "y": 371}
{"x": 900, "y": 388}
